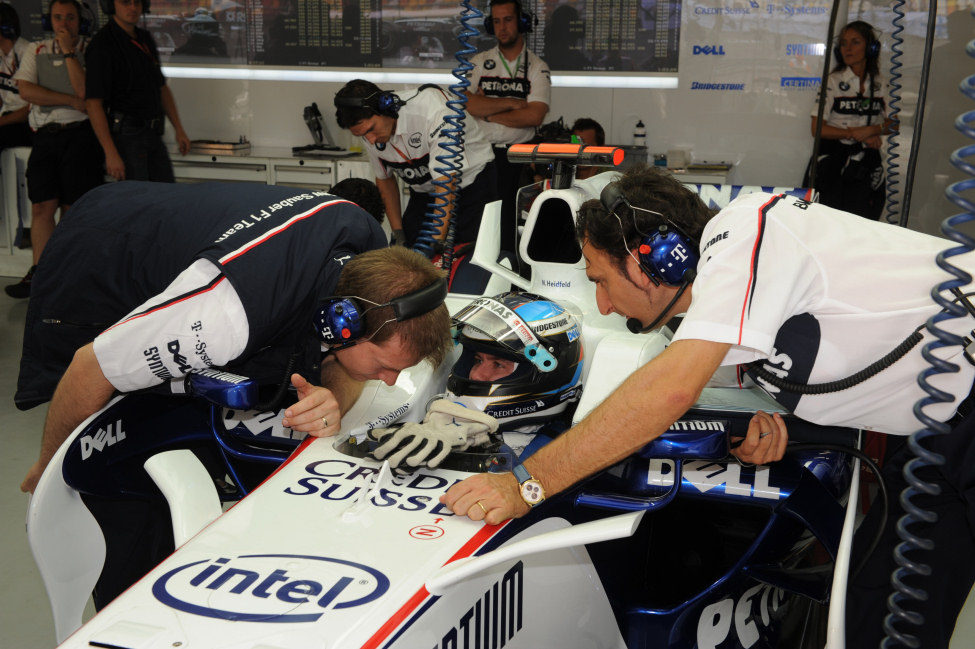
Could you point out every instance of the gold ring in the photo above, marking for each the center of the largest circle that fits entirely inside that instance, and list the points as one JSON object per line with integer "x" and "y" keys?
{"x": 325, "y": 421}
{"x": 481, "y": 505}
{"x": 764, "y": 435}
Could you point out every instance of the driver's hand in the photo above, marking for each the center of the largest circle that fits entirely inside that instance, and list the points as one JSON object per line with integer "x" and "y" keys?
{"x": 317, "y": 411}
{"x": 765, "y": 440}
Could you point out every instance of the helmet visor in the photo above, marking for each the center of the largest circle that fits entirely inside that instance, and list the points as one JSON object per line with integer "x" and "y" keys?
{"x": 488, "y": 319}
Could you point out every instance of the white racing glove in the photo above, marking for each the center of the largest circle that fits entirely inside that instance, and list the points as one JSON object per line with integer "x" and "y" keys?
{"x": 447, "y": 426}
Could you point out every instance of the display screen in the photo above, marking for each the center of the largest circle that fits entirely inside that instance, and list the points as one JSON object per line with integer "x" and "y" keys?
{"x": 581, "y": 35}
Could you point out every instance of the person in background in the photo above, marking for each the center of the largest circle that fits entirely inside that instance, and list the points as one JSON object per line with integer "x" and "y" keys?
{"x": 512, "y": 93}
{"x": 65, "y": 161}
{"x": 591, "y": 133}
{"x": 128, "y": 97}
{"x": 363, "y": 193}
{"x": 13, "y": 109}
{"x": 403, "y": 132}
{"x": 849, "y": 169}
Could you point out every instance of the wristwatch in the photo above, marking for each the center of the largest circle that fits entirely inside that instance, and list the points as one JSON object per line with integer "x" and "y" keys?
{"x": 532, "y": 491}
{"x": 70, "y": 55}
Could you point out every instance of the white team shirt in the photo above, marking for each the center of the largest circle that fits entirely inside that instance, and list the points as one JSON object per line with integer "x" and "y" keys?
{"x": 527, "y": 77}
{"x": 824, "y": 294}
{"x": 190, "y": 325}
{"x": 43, "y": 115}
{"x": 847, "y": 108}
{"x": 420, "y": 129}
{"x": 10, "y": 99}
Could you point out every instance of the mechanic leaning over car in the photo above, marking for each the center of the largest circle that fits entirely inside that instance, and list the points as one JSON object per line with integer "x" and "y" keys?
{"x": 812, "y": 295}
{"x": 403, "y": 132}
{"x": 512, "y": 92}
{"x": 212, "y": 275}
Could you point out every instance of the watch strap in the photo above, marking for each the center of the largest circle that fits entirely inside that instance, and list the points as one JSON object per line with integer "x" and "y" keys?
{"x": 521, "y": 473}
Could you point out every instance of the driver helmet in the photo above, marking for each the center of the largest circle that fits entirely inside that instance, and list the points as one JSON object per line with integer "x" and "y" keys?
{"x": 543, "y": 341}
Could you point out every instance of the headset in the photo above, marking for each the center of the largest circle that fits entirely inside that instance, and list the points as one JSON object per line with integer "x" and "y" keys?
{"x": 108, "y": 6}
{"x": 667, "y": 256}
{"x": 526, "y": 20}
{"x": 873, "y": 43}
{"x": 384, "y": 102}
{"x": 340, "y": 320}
{"x": 86, "y": 17}
{"x": 9, "y": 22}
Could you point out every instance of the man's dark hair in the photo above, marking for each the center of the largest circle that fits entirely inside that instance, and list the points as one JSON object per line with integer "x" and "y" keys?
{"x": 363, "y": 193}
{"x": 586, "y": 123}
{"x": 387, "y": 273}
{"x": 649, "y": 188}
{"x": 498, "y": 3}
{"x": 10, "y": 20}
{"x": 349, "y": 116}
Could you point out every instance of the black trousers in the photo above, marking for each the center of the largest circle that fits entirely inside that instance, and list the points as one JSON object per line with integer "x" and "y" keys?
{"x": 952, "y": 560}
{"x": 467, "y": 211}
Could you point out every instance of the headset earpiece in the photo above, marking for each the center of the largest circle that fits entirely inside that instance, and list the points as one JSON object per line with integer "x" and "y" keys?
{"x": 382, "y": 103}
{"x": 526, "y": 20}
{"x": 667, "y": 255}
{"x": 340, "y": 320}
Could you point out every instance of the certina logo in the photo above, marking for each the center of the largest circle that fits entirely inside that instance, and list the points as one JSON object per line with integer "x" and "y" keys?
{"x": 284, "y": 588}
{"x": 107, "y": 436}
{"x": 805, "y": 49}
{"x": 800, "y": 82}
{"x": 706, "y": 50}
{"x": 700, "y": 85}
{"x": 494, "y": 619}
{"x": 415, "y": 140}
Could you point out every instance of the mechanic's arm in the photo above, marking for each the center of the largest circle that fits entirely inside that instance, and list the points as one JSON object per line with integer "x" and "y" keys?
{"x": 319, "y": 409}
{"x": 15, "y": 116}
{"x": 114, "y": 166}
{"x": 832, "y": 132}
{"x": 531, "y": 115}
{"x": 389, "y": 191}
{"x": 641, "y": 409}
{"x": 481, "y": 106}
{"x": 82, "y": 391}
{"x": 169, "y": 107}
{"x": 42, "y": 96}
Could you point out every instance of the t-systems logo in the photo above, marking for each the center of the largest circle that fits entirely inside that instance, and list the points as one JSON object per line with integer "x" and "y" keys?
{"x": 286, "y": 588}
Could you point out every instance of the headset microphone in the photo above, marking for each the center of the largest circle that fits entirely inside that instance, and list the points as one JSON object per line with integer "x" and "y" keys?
{"x": 636, "y": 327}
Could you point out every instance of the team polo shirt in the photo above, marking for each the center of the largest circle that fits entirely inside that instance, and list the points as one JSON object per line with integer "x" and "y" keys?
{"x": 527, "y": 77}
{"x": 44, "y": 65}
{"x": 124, "y": 72}
{"x": 410, "y": 153}
{"x": 10, "y": 99}
{"x": 846, "y": 107}
{"x": 819, "y": 295}
{"x": 242, "y": 268}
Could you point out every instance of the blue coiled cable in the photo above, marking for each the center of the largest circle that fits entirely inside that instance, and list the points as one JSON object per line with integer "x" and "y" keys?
{"x": 893, "y": 175}
{"x": 449, "y": 173}
{"x": 903, "y": 593}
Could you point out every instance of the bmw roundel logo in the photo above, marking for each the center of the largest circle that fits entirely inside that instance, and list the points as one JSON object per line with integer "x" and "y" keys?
{"x": 489, "y": 64}
{"x": 381, "y": 146}
{"x": 284, "y": 588}
{"x": 844, "y": 86}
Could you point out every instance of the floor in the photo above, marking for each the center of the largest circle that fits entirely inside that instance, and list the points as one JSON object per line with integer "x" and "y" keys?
{"x": 25, "y": 615}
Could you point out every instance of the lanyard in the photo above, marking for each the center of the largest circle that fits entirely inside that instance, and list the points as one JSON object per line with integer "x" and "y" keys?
{"x": 505, "y": 63}
{"x": 401, "y": 154}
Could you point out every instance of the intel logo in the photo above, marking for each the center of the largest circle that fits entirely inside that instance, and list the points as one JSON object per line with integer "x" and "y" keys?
{"x": 716, "y": 50}
{"x": 269, "y": 587}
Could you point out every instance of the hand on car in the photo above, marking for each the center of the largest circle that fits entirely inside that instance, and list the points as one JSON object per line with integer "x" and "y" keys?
{"x": 317, "y": 411}
{"x": 489, "y": 497}
{"x": 765, "y": 440}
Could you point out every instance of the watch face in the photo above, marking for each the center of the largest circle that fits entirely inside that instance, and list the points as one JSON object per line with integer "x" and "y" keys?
{"x": 532, "y": 492}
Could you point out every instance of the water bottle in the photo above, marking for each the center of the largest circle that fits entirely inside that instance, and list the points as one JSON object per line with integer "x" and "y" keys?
{"x": 640, "y": 134}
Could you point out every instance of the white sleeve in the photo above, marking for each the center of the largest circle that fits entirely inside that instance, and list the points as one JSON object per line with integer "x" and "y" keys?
{"x": 541, "y": 82}
{"x": 27, "y": 70}
{"x": 754, "y": 275}
{"x": 197, "y": 322}
{"x": 474, "y": 74}
{"x": 377, "y": 166}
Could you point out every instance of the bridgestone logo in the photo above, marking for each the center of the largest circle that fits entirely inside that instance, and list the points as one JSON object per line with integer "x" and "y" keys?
{"x": 551, "y": 325}
{"x": 697, "y": 424}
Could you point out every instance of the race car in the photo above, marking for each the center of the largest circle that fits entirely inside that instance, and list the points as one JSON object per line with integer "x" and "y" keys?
{"x": 678, "y": 545}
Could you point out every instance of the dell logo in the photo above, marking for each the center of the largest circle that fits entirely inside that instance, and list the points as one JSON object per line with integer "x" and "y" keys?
{"x": 717, "y": 50}
{"x": 255, "y": 588}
